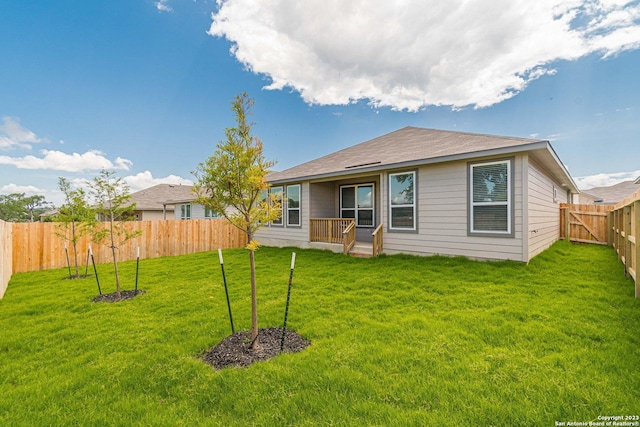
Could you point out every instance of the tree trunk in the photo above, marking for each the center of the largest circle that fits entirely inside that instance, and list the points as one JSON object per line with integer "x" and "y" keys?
{"x": 115, "y": 266}
{"x": 115, "y": 261}
{"x": 74, "y": 240}
{"x": 254, "y": 301}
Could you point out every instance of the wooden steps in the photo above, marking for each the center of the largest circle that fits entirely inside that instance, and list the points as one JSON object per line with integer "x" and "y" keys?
{"x": 361, "y": 250}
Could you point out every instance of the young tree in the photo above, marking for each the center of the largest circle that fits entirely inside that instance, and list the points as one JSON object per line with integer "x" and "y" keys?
{"x": 113, "y": 206}
{"x": 232, "y": 182}
{"x": 75, "y": 217}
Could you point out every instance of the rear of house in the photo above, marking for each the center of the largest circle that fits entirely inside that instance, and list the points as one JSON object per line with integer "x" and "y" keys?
{"x": 427, "y": 192}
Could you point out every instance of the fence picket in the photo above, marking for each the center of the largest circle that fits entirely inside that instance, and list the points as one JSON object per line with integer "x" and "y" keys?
{"x": 35, "y": 246}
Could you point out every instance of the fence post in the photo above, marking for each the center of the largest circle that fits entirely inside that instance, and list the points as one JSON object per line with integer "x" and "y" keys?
{"x": 610, "y": 228}
{"x": 567, "y": 214}
{"x": 626, "y": 224}
{"x": 636, "y": 208}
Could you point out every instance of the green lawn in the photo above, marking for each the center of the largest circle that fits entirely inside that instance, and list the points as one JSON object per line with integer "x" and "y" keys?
{"x": 396, "y": 340}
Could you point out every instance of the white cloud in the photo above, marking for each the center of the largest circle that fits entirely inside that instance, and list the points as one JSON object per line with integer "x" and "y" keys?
{"x": 13, "y": 134}
{"x": 163, "y": 6}
{"x": 605, "y": 179}
{"x": 145, "y": 179}
{"x": 27, "y": 189}
{"x": 57, "y": 160}
{"x": 407, "y": 54}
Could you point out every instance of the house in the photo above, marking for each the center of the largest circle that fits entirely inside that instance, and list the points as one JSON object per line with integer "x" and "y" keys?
{"x": 189, "y": 208}
{"x": 424, "y": 192}
{"x": 151, "y": 202}
{"x": 612, "y": 194}
{"x": 585, "y": 198}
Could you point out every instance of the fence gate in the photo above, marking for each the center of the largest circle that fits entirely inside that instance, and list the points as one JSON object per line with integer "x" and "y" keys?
{"x": 584, "y": 223}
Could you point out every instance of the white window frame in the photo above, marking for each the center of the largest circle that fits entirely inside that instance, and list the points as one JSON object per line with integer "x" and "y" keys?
{"x": 185, "y": 211}
{"x": 356, "y": 209}
{"x": 210, "y": 214}
{"x": 411, "y": 205}
{"x": 280, "y": 221}
{"x": 299, "y": 208}
{"x": 508, "y": 203}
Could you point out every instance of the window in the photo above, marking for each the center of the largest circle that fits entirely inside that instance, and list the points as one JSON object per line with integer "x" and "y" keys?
{"x": 402, "y": 201}
{"x": 357, "y": 202}
{"x": 185, "y": 211}
{"x": 209, "y": 213}
{"x": 277, "y": 194}
{"x": 490, "y": 197}
{"x": 293, "y": 204}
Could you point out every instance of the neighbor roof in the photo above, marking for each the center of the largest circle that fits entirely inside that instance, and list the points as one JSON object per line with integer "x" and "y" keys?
{"x": 412, "y": 146}
{"x": 153, "y": 198}
{"x": 612, "y": 194}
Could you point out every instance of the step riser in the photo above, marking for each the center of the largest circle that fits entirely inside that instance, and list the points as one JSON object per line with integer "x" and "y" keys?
{"x": 361, "y": 251}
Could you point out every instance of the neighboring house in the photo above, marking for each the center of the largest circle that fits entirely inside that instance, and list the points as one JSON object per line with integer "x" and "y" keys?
{"x": 585, "y": 198}
{"x": 151, "y": 202}
{"x": 189, "y": 208}
{"x": 613, "y": 194}
{"x": 429, "y": 192}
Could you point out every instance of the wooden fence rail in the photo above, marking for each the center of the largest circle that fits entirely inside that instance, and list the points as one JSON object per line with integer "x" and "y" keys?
{"x": 37, "y": 247}
{"x": 624, "y": 229}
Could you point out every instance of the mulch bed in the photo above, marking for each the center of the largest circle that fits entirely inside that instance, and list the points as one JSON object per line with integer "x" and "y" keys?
{"x": 124, "y": 295}
{"x": 236, "y": 351}
{"x": 74, "y": 277}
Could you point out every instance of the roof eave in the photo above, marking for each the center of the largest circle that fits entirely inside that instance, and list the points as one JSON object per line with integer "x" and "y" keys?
{"x": 537, "y": 145}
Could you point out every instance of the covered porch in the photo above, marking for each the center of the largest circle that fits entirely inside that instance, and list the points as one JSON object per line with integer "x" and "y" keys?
{"x": 342, "y": 232}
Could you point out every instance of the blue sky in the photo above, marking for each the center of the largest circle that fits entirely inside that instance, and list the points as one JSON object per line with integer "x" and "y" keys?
{"x": 144, "y": 87}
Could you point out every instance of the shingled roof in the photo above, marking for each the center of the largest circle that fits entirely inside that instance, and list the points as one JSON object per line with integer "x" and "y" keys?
{"x": 612, "y": 194}
{"x": 412, "y": 146}
{"x": 153, "y": 198}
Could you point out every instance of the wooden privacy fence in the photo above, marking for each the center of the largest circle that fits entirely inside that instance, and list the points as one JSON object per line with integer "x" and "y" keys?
{"x": 584, "y": 223}
{"x": 37, "y": 247}
{"x": 6, "y": 255}
{"x": 624, "y": 223}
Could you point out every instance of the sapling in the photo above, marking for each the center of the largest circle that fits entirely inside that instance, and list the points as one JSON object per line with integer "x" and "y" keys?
{"x": 232, "y": 182}
{"x": 113, "y": 205}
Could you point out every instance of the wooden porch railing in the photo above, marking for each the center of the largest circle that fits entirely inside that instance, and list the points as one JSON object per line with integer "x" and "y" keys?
{"x": 378, "y": 240}
{"x": 328, "y": 230}
{"x": 349, "y": 237}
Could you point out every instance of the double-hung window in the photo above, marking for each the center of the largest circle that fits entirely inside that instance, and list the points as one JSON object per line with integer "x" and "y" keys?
{"x": 357, "y": 202}
{"x": 490, "y": 198}
{"x": 293, "y": 205}
{"x": 185, "y": 211}
{"x": 210, "y": 213}
{"x": 277, "y": 193}
{"x": 402, "y": 201}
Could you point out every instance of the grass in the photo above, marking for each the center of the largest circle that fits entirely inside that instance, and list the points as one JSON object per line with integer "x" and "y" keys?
{"x": 396, "y": 340}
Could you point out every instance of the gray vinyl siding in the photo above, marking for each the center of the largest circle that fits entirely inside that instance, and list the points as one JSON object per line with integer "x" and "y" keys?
{"x": 442, "y": 217}
{"x": 322, "y": 200}
{"x": 197, "y": 211}
{"x": 544, "y": 212}
{"x": 272, "y": 235}
{"x": 148, "y": 215}
{"x": 442, "y": 213}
